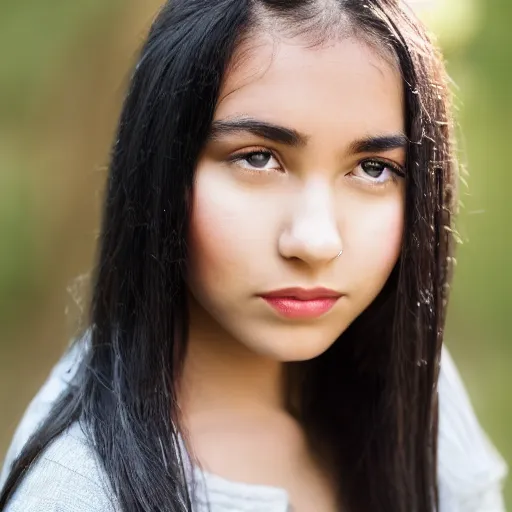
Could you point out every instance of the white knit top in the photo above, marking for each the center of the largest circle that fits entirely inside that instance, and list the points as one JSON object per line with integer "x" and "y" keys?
{"x": 68, "y": 477}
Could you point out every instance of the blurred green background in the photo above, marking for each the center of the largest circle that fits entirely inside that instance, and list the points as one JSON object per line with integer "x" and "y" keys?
{"x": 63, "y": 73}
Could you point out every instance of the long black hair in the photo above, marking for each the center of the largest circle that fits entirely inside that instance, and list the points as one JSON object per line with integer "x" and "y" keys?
{"x": 372, "y": 397}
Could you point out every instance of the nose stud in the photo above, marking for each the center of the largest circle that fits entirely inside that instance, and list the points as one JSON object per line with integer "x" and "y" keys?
{"x": 339, "y": 254}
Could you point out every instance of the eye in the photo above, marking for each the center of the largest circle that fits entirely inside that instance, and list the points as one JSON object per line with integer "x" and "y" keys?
{"x": 256, "y": 160}
{"x": 377, "y": 171}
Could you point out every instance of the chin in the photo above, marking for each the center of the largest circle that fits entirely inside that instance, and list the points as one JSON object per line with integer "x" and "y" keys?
{"x": 293, "y": 347}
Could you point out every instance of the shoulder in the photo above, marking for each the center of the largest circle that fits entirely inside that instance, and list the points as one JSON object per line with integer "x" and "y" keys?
{"x": 470, "y": 470}
{"x": 43, "y": 401}
{"x": 67, "y": 477}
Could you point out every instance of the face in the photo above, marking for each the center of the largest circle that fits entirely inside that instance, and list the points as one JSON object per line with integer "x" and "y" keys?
{"x": 300, "y": 186}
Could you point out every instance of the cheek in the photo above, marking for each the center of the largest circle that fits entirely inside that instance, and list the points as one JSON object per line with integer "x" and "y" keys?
{"x": 374, "y": 240}
{"x": 225, "y": 237}
{"x": 212, "y": 238}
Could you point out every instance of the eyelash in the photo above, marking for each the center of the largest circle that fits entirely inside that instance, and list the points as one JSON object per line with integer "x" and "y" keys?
{"x": 397, "y": 171}
{"x": 239, "y": 157}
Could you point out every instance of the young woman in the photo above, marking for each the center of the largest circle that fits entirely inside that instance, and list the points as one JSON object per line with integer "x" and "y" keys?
{"x": 267, "y": 318}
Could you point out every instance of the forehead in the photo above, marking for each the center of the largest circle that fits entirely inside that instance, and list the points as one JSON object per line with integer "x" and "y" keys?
{"x": 344, "y": 86}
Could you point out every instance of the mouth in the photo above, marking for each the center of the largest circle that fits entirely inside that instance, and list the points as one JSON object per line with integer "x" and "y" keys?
{"x": 302, "y": 303}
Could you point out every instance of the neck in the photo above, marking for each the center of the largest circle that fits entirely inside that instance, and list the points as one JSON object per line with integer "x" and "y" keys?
{"x": 223, "y": 374}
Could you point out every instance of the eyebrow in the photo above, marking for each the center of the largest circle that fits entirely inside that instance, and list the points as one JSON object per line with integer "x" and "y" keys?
{"x": 263, "y": 129}
{"x": 294, "y": 138}
{"x": 379, "y": 144}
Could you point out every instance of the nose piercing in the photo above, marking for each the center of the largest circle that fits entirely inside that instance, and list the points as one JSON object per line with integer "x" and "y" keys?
{"x": 339, "y": 254}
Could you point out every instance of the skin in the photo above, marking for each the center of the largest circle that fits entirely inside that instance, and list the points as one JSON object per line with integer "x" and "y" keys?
{"x": 281, "y": 223}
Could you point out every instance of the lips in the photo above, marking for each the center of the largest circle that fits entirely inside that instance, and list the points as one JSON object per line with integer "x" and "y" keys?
{"x": 301, "y": 302}
{"x": 304, "y": 293}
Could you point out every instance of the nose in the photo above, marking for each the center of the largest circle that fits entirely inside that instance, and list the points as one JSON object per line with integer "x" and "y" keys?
{"x": 312, "y": 234}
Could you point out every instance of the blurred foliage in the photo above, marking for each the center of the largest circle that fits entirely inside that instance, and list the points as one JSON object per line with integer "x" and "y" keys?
{"x": 36, "y": 36}
{"x": 40, "y": 38}
{"x": 477, "y": 43}
{"x": 17, "y": 264}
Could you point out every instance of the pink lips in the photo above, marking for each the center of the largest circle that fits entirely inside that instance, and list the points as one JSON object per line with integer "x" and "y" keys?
{"x": 301, "y": 302}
